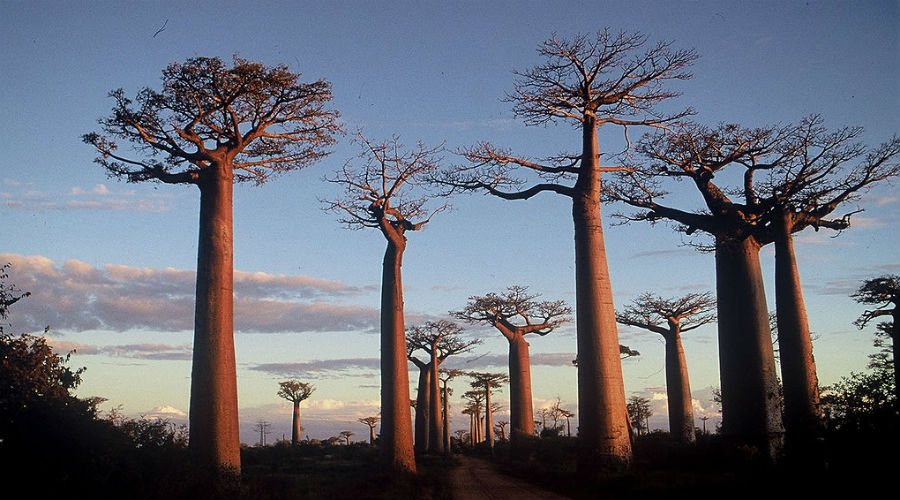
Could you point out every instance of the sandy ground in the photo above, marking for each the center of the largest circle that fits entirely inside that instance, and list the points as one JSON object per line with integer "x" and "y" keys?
{"x": 476, "y": 479}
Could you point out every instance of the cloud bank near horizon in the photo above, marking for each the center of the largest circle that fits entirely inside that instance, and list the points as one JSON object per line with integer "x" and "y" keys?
{"x": 74, "y": 296}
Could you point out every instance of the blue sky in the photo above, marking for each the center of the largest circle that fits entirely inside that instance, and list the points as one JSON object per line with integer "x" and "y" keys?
{"x": 111, "y": 264}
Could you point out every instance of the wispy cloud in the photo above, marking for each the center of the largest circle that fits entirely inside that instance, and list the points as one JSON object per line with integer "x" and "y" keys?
{"x": 99, "y": 197}
{"x": 76, "y": 296}
{"x": 321, "y": 368}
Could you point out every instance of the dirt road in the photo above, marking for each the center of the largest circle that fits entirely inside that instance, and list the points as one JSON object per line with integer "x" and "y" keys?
{"x": 476, "y": 479}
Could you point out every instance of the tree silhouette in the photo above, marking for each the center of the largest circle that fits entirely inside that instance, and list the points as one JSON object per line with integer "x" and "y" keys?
{"x": 807, "y": 177}
{"x": 379, "y": 194}
{"x": 589, "y": 81}
{"x": 670, "y": 318}
{"x": 212, "y": 126}
{"x": 640, "y": 412}
{"x": 371, "y": 422}
{"x": 884, "y": 293}
{"x": 486, "y": 382}
{"x": 296, "y": 392}
{"x": 446, "y": 376}
{"x": 439, "y": 340}
{"x": 516, "y": 313}
{"x": 9, "y": 294}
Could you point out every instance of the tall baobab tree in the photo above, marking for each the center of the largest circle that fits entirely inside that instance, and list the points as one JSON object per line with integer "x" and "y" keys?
{"x": 515, "y": 313}
{"x": 211, "y": 126}
{"x": 371, "y": 422}
{"x": 380, "y": 194}
{"x": 884, "y": 293}
{"x": 807, "y": 178}
{"x": 590, "y": 81}
{"x": 296, "y": 392}
{"x": 439, "y": 340}
{"x": 446, "y": 376}
{"x": 485, "y": 382}
{"x": 423, "y": 393}
{"x": 474, "y": 407}
{"x": 670, "y": 318}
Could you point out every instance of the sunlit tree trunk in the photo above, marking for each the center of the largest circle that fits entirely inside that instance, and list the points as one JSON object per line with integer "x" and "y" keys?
{"x": 678, "y": 389}
{"x": 420, "y": 426}
{"x": 446, "y": 417}
{"x": 751, "y": 406}
{"x": 295, "y": 427}
{"x": 603, "y": 432}
{"x": 214, "y": 430}
{"x": 435, "y": 427}
{"x": 488, "y": 419}
{"x": 802, "y": 411}
{"x": 396, "y": 428}
{"x": 521, "y": 407}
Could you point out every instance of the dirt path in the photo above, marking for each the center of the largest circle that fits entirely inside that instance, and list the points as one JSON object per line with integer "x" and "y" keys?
{"x": 476, "y": 479}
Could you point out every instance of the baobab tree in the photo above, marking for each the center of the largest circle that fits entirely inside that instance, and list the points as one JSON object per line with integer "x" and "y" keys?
{"x": 446, "y": 376}
{"x": 590, "y": 81}
{"x": 380, "y": 194}
{"x": 670, "y": 318}
{"x": 346, "y": 435}
{"x": 501, "y": 427}
{"x": 485, "y": 382}
{"x": 439, "y": 340}
{"x": 423, "y": 393}
{"x": 211, "y": 126}
{"x": 515, "y": 313}
{"x": 474, "y": 408}
{"x": 640, "y": 412}
{"x": 809, "y": 172}
{"x": 296, "y": 392}
{"x": 884, "y": 293}
{"x": 371, "y": 422}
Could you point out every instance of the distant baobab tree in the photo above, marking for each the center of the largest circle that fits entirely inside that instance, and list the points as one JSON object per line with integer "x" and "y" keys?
{"x": 371, "y": 422}
{"x": 296, "y": 392}
{"x": 590, "y": 81}
{"x": 516, "y": 313}
{"x": 439, "y": 340}
{"x": 474, "y": 407}
{"x": 211, "y": 126}
{"x": 794, "y": 176}
{"x": 346, "y": 435}
{"x": 670, "y": 318}
{"x": 640, "y": 412}
{"x": 380, "y": 194}
{"x": 501, "y": 427}
{"x": 485, "y": 382}
{"x": 446, "y": 376}
{"x": 884, "y": 293}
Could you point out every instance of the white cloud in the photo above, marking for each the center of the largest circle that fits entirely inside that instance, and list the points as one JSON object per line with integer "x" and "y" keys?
{"x": 76, "y": 296}
{"x": 99, "y": 197}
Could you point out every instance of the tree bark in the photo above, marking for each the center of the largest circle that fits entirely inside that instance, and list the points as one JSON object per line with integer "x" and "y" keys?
{"x": 521, "y": 407}
{"x": 396, "y": 428}
{"x": 446, "y": 418}
{"x": 420, "y": 426}
{"x": 435, "y": 427}
{"x": 295, "y": 428}
{"x": 678, "y": 389}
{"x": 214, "y": 429}
{"x": 751, "y": 405}
{"x": 802, "y": 410}
{"x": 603, "y": 433}
{"x": 488, "y": 418}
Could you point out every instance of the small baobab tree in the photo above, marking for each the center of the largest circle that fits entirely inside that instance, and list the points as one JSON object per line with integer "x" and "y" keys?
{"x": 474, "y": 408}
{"x": 296, "y": 392}
{"x": 371, "y": 422}
{"x": 884, "y": 293}
{"x": 515, "y": 313}
{"x": 439, "y": 340}
{"x": 211, "y": 126}
{"x": 446, "y": 375}
{"x": 486, "y": 382}
{"x": 501, "y": 428}
{"x": 346, "y": 436}
{"x": 670, "y": 318}
{"x": 611, "y": 80}
{"x": 640, "y": 412}
{"x": 380, "y": 194}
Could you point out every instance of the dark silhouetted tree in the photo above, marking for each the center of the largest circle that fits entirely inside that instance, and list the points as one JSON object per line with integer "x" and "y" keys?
{"x": 882, "y": 292}
{"x": 670, "y": 318}
{"x": 211, "y": 126}
{"x": 296, "y": 392}
{"x": 640, "y": 413}
{"x": 610, "y": 79}
{"x": 380, "y": 194}
{"x": 515, "y": 313}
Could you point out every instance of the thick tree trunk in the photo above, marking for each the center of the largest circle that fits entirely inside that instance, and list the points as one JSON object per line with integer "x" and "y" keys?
{"x": 751, "y": 405}
{"x": 371, "y": 434}
{"x": 603, "y": 432}
{"x": 678, "y": 390}
{"x": 472, "y": 428}
{"x": 396, "y": 428}
{"x": 435, "y": 427}
{"x": 802, "y": 411}
{"x": 214, "y": 430}
{"x": 420, "y": 425}
{"x": 295, "y": 427}
{"x": 488, "y": 419}
{"x": 446, "y": 418}
{"x": 521, "y": 408}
